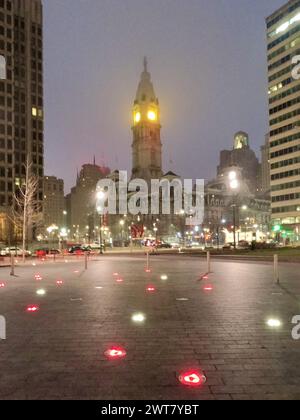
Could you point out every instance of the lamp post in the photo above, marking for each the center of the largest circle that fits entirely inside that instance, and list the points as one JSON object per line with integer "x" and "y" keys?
{"x": 234, "y": 185}
{"x": 100, "y": 197}
{"x": 122, "y": 223}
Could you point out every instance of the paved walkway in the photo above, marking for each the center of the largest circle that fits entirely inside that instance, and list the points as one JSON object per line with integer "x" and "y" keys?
{"x": 58, "y": 352}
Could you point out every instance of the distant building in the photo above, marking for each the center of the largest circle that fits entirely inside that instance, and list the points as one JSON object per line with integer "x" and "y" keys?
{"x": 243, "y": 156}
{"x": 81, "y": 202}
{"x": 21, "y": 101}
{"x": 251, "y": 203}
{"x": 54, "y": 202}
{"x": 283, "y": 43}
{"x": 252, "y": 210}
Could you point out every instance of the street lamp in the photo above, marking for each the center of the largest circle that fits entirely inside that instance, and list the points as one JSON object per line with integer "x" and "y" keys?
{"x": 122, "y": 223}
{"x": 100, "y": 196}
{"x": 234, "y": 185}
{"x": 51, "y": 229}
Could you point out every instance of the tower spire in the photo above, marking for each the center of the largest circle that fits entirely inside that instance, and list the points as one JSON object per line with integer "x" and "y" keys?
{"x": 145, "y": 64}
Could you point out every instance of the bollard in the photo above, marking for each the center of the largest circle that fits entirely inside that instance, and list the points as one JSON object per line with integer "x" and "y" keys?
{"x": 208, "y": 262}
{"x": 148, "y": 261}
{"x": 86, "y": 260}
{"x": 276, "y": 269}
{"x": 12, "y": 259}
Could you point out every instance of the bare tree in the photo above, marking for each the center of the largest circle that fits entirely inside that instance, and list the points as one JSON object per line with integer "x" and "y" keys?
{"x": 26, "y": 209}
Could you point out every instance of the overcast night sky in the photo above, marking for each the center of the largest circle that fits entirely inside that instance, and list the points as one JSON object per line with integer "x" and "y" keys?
{"x": 208, "y": 64}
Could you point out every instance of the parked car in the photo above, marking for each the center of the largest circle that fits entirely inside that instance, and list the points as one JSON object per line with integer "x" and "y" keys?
{"x": 163, "y": 245}
{"x": 243, "y": 245}
{"x": 54, "y": 252}
{"x": 43, "y": 252}
{"x": 228, "y": 247}
{"x": 18, "y": 252}
{"x": 79, "y": 250}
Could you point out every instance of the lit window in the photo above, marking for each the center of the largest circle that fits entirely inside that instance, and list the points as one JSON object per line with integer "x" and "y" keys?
{"x": 34, "y": 112}
{"x": 283, "y": 27}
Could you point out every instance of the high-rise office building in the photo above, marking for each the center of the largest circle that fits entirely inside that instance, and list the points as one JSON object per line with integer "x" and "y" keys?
{"x": 54, "y": 202}
{"x": 81, "y": 202}
{"x": 243, "y": 156}
{"x": 283, "y": 38}
{"x": 21, "y": 99}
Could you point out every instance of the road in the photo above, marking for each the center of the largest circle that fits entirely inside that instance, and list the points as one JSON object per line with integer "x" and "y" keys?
{"x": 58, "y": 351}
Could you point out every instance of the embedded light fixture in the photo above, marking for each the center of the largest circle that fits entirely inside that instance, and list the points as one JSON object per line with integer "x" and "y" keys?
{"x": 32, "y": 308}
{"x": 208, "y": 288}
{"x": 274, "y": 323}
{"x": 41, "y": 292}
{"x": 192, "y": 378}
{"x": 138, "y": 318}
{"x": 115, "y": 353}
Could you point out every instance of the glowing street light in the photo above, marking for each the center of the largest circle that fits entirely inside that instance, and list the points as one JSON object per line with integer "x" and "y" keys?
{"x": 100, "y": 195}
{"x": 232, "y": 175}
{"x": 234, "y": 184}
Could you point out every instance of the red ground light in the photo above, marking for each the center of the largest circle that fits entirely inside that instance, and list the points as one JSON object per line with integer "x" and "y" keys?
{"x": 115, "y": 353}
{"x": 208, "y": 288}
{"x": 119, "y": 280}
{"x": 192, "y": 378}
{"x": 115, "y": 274}
{"x": 59, "y": 282}
{"x": 151, "y": 289}
{"x": 2, "y": 285}
{"x": 32, "y": 308}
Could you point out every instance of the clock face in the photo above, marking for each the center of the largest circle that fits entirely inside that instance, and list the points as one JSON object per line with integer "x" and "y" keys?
{"x": 152, "y": 115}
{"x": 137, "y": 117}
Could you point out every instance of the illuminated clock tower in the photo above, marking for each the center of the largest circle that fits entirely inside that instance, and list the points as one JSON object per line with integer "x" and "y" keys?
{"x": 146, "y": 146}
